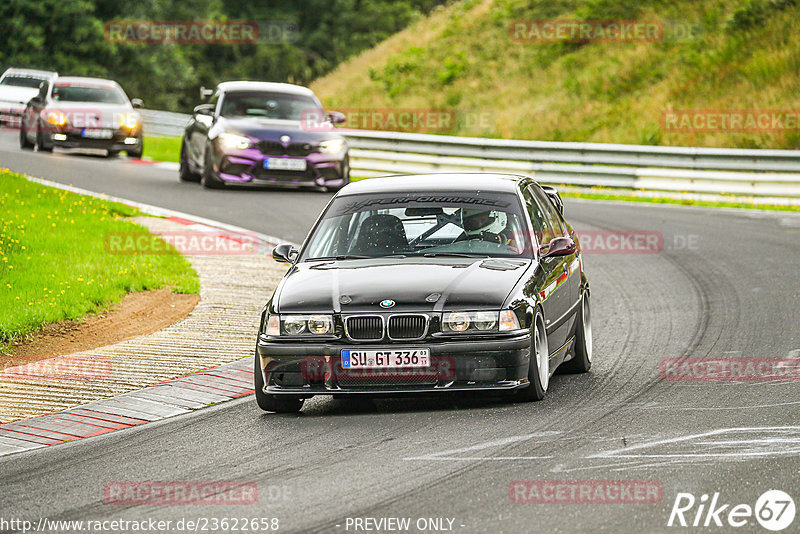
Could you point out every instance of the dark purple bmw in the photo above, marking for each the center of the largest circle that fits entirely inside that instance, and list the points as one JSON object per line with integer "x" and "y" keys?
{"x": 257, "y": 133}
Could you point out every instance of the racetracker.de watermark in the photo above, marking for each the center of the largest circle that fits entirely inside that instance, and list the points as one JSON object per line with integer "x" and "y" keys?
{"x": 230, "y": 32}
{"x": 86, "y": 121}
{"x": 729, "y": 369}
{"x": 180, "y": 493}
{"x": 68, "y": 367}
{"x": 603, "y": 31}
{"x": 634, "y": 242}
{"x": 586, "y": 31}
{"x": 186, "y": 242}
{"x": 397, "y": 119}
{"x": 731, "y": 120}
{"x": 620, "y": 241}
{"x": 585, "y": 492}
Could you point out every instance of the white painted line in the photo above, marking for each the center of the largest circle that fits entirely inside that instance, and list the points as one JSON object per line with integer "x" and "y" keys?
{"x": 759, "y": 446}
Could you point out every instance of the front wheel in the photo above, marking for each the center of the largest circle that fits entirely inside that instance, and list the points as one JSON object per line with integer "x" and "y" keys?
{"x": 272, "y": 403}
{"x": 41, "y": 144}
{"x": 581, "y": 362}
{"x": 185, "y": 173}
{"x": 23, "y": 137}
{"x": 208, "y": 179}
{"x": 539, "y": 368}
{"x": 136, "y": 152}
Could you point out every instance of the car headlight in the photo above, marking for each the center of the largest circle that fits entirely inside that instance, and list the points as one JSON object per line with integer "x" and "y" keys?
{"x": 231, "y": 141}
{"x": 56, "y": 118}
{"x": 479, "y": 321}
{"x": 299, "y": 325}
{"x": 332, "y": 146}
{"x": 129, "y": 121}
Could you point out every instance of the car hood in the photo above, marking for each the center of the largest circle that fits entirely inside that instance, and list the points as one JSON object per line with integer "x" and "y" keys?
{"x": 17, "y": 95}
{"x": 273, "y": 130}
{"x": 462, "y": 283}
{"x": 92, "y": 114}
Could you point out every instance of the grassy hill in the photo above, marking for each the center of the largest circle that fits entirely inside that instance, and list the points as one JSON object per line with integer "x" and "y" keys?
{"x": 712, "y": 55}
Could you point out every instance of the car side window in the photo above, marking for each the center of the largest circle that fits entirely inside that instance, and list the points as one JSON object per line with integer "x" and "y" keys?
{"x": 549, "y": 212}
{"x": 542, "y": 227}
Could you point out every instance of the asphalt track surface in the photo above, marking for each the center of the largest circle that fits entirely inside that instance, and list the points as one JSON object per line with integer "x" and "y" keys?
{"x": 725, "y": 285}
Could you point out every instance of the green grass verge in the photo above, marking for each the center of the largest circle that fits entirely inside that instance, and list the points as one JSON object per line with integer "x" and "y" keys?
{"x": 53, "y": 260}
{"x": 711, "y": 55}
{"x": 603, "y": 195}
{"x": 162, "y": 148}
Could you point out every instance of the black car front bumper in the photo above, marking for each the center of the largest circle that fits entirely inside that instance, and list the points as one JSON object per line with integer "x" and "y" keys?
{"x": 306, "y": 369}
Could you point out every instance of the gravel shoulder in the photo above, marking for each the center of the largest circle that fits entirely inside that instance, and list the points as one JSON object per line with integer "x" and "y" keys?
{"x": 219, "y": 330}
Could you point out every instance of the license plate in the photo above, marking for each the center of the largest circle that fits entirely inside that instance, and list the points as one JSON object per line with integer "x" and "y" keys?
{"x": 284, "y": 164}
{"x": 385, "y": 358}
{"x": 93, "y": 133}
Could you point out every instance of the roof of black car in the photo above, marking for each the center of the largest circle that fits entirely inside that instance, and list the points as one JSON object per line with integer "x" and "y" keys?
{"x": 435, "y": 182}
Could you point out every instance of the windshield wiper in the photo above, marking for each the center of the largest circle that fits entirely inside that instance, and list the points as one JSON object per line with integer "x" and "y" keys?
{"x": 341, "y": 257}
{"x": 454, "y": 255}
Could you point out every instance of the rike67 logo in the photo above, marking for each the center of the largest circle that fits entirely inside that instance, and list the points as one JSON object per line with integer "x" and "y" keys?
{"x": 774, "y": 510}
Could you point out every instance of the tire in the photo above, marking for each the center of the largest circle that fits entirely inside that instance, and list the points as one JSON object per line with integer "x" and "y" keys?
{"x": 112, "y": 153}
{"x": 581, "y": 362}
{"x": 539, "y": 368}
{"x": 271, "y": 403}
{"x": 41, "y": 146}
{"x": 23, "y": 137}
{"x": 207, "y": 179}
{"x": 184, "y": 172}
{"x": 346, "y": 174}
{"x": 137, "y": 152}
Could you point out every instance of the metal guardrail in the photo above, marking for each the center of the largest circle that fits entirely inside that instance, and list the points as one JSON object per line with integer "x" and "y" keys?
{"x": 749, "y": 172}
{"x": 164, "y": 123}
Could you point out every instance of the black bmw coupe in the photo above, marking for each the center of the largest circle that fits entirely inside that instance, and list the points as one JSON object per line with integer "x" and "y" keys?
{"x": 427, "y": 284}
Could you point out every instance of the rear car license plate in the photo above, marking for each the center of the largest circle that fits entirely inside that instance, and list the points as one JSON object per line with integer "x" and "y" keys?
{"x": 94, "y": 133}
{"x": 284, "y": 164}
{"x": 385, "y": 358}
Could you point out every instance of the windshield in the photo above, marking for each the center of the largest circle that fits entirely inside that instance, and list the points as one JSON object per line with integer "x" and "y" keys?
{"x": 88, "y": 93}
{"x": 412, "y": 224}
{"x": 22, "y": 81}
{"x": 267, "y": 105}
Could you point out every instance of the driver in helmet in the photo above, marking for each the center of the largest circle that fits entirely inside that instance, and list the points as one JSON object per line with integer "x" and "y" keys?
{"x": 481, "y": 224}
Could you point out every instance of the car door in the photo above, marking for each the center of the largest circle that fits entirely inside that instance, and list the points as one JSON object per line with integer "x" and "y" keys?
{"x": 569, "y": 281}
{"x": 33, "y": 111}
{"x": 553, "y": 289}
{"x": 573, "y": 281}
{"x": 198, "y": 133}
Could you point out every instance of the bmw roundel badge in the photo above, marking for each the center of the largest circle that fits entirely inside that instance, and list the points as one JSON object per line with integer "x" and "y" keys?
{"x": 388, "y": 303}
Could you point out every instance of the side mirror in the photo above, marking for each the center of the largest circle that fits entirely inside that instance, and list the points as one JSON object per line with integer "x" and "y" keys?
{"x": 205, "y": 93}
{"x": 137, "y": 103}
{"x": 336, "y": 117}
{"x": 204, "y": 109}
{"x": 560, "y": 246}
{"x": 285, "y": 253}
